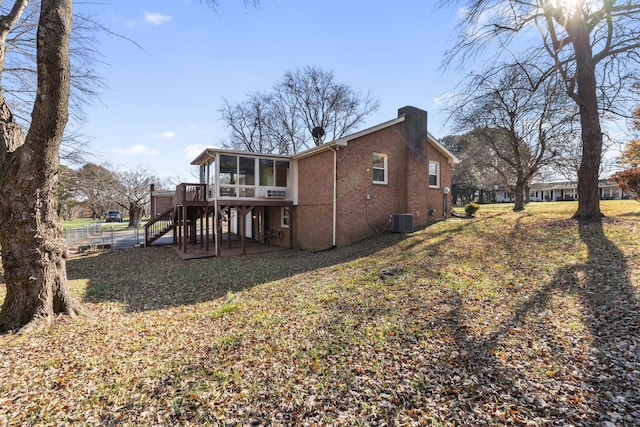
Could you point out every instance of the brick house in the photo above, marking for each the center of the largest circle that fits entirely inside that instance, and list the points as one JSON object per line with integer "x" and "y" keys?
{"x": 394, "y": 176}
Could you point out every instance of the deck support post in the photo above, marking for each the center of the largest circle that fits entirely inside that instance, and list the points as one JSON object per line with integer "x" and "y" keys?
{"x": 243, "y": 211}
{"x": 206, "y": 221}
{"x": 185, "y": 228}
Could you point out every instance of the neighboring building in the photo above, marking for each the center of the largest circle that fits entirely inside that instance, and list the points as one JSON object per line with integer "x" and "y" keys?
{"x": 161, "y": 200}
{"x": 568, "y": 190}
{"x": 561, "y": 191}
{"x": 394, "y": 176}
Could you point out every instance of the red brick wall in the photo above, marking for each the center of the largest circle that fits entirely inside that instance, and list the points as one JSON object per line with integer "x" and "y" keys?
{"x": 312, "y": 218}
{"x": 274, "y": 222}
{"x": 421, "y": 196}
{"x": 359, "y": 216}
{"x": 160, "y": 203}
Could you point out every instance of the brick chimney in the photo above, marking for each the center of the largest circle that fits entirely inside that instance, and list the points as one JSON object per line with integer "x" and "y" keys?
{"x": 416, "y": 128}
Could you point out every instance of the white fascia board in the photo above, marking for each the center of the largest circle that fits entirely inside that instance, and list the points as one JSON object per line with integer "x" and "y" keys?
{"x": 320, "y": 148}
{"x": 342, "y": 142}
{"x": 441, "y": 148}
{"x": 210, "y": 153}
{"x": 203, "y": 157}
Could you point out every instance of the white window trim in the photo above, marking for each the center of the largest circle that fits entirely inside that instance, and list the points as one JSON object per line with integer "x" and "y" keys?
{"x": 437, "y": 173}
{"x": 385, "y": 157}
{"x": 284, "y": 212}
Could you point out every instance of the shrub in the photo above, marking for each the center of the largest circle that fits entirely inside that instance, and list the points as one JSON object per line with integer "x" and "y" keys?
{"x": 471, "y": 208}
{"x": 629, "y": 181}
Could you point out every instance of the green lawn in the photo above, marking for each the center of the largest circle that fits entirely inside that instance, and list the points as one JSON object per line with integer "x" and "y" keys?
{"x": 507, "y": 318}
{"x": 105, "y": 225}
{"x": 74, "y": 223}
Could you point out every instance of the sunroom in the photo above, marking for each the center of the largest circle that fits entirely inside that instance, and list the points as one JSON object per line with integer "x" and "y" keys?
{"x": 251, "y": 195}
{"x": 241, "y": 176}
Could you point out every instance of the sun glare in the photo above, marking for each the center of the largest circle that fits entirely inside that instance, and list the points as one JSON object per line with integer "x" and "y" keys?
{"x": 569, "y": 4}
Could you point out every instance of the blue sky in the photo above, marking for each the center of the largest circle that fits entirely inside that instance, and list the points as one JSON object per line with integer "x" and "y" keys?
{"x": 161, "y": 105}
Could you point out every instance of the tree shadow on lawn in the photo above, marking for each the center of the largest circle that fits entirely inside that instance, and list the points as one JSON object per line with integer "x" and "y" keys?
{"x": 633, "y": 215}
{"x": 530, "y": 366}
{"x": 155, "y": 278}
{"x": 588, "y": 382}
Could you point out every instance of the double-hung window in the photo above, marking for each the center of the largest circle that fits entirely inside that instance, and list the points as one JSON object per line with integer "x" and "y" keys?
{"x": 434, "y": 174}
{"x": 380, "y": 168}
{"x": 284, "y": 218}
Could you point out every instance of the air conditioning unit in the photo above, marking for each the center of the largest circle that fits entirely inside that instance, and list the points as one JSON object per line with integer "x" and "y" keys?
{"x": 276, "y": 194}
{"x": 402, "y": 223}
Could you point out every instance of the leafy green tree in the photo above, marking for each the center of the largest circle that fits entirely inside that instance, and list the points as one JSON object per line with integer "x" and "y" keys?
{"x": 476, "y": 173}
{"x": 68, "y": 197}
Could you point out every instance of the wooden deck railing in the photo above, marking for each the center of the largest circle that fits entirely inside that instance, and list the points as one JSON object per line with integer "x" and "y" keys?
{"x": 189, "y": 193}
{"x": 158, "y": 226}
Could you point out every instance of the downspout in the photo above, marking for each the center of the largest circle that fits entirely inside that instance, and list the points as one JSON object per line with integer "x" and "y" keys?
{"x": 335, "y": 193}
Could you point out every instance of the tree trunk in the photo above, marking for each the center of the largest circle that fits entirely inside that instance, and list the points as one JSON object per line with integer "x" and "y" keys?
{"x": 519, "y": 197}
{"x": 586, "y": 97}
{"x": 33, "y": 249}
{"x": 135, "y": 215}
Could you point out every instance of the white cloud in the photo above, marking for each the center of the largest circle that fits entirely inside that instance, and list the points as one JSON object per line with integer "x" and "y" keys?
{"x": 137, "y": 149}
{"x": 156, "y": 18}
{"x": 443, "y": 99}
{"x": 192, "y": 151}
{"x": 164, "y": 135}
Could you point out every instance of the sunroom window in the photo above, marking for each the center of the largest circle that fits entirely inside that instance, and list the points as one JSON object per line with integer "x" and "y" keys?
{"x": 274, "y": 173}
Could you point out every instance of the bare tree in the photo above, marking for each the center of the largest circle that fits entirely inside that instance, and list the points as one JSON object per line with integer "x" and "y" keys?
{"x": 99, "y": 188}
{"x": 248, "y": 123}
{"x": 591, "y": 45}
{"x": 323, "y": 102}
{"x": 289, "y": 119}
{"x": 33, "y": 249}
{"x": 520, "y": 116}
{"x": 134, "y": 192}
{"x": 19, "y": 76}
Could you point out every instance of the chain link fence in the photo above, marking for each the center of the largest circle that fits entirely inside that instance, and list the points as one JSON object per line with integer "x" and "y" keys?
{"x": 75, "y": 235}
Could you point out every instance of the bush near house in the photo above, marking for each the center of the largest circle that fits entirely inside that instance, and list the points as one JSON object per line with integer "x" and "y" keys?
{"x": 471, "y": 208}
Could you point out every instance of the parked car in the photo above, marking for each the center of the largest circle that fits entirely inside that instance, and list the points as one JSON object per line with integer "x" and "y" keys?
{"x": 114, "y": 216}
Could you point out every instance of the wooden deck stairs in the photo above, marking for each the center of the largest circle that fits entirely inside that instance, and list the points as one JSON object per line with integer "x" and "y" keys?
{"x": 159, "y": 226}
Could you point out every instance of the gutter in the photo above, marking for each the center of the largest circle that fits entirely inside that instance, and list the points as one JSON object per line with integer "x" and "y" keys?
{"x": 335, "y": 194}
